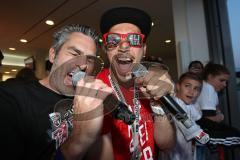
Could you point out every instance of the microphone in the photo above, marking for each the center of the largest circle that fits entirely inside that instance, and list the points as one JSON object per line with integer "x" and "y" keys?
{"x": 189, "y": 128}
{"x": 118, "y": 109}
{"x": 176, "y": 110}
{"x": 139, "y": 71}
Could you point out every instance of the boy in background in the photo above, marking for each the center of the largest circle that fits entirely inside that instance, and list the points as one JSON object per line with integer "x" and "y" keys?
{"x": 188, "y": 89}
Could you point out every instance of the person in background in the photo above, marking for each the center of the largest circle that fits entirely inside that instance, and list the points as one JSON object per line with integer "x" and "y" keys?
{"x": 188, "y": 89}
{"x": 215, "y": 80}
{"x": 24, "y": 75}
{"x": 48, "y": 66}
{"x": 125, "y": 31}
{"x": 30, "y": 63}
{"x": 196, "y": 67}
{"x": 25, "y": 108}
{"x": 155, "y": 62}
{"x": 1, "y": 58}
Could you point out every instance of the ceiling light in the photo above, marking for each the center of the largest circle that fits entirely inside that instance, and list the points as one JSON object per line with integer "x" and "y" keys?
{"x": 168, "y": 41}
{"x": 49, "y": 22}
{"x": 12, "y": 49}
{"x": 100, "y": 40}
{"x": 23, "y": 40}
{"x": 98, "y": 56}
{"x": 14, "y": 70}
{"x": 152, "y": 24}
{"x": 7, "y": 72}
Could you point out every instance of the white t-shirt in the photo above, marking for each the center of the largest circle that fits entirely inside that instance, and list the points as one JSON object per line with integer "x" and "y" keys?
{"x": 208, "y": 98}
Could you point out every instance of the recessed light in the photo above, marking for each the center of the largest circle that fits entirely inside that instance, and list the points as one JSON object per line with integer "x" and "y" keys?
{"x": 100, "y": 40}
{"x": 14, "y": 70}
{"x": 168, "y": 41}
{"x": 152, "y": 24}
{"x": 12, "y": 49}
{"x": 23, "y": 40}
{"x": 49, "y": 22}
{"x": 7, "y": 72}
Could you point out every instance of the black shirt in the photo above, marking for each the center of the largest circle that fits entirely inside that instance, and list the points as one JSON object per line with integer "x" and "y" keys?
{"x": 24, "y": 120}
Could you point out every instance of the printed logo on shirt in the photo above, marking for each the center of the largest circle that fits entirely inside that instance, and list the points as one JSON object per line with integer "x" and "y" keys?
{"x": 61, "y": 121}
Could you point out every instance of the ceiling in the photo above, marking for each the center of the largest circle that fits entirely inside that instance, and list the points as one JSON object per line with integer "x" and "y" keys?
{"x": 26, "y": 19}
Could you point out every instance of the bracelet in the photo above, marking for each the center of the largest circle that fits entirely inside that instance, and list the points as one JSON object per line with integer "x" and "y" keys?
{"x": 158, "y": 110}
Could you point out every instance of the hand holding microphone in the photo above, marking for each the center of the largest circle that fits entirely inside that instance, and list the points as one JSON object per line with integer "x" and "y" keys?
{"x": 157, "y": 83}
{"x": 88, "y": 104}
{"x": 111, "y": 104}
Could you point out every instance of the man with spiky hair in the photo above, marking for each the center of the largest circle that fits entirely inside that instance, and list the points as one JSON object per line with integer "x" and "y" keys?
{"x": 26, "y": 108}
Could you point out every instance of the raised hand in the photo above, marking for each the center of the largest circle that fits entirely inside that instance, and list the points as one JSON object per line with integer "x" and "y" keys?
{"x": 155, "y": 83}
{"x": 88, "y": 116}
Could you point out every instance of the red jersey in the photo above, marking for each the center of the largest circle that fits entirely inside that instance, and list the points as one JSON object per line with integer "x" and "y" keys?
{"x": 121, "y": 132}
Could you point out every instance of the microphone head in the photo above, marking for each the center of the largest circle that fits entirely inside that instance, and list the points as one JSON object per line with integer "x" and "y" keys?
{"x": 77, "y": 76}
{"x": 139, "y": 70}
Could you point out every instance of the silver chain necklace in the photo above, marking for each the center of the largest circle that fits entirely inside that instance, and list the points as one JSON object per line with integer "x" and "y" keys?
{"x": 136, "y": 155}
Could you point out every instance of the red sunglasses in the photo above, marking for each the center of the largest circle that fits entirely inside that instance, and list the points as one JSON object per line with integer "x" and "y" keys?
{"x": 112, "y": 40}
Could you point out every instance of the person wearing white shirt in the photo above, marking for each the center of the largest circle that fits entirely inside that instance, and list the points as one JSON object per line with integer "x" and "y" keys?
{"x": 215, "y": 79}
{"x": 188, "y": 89}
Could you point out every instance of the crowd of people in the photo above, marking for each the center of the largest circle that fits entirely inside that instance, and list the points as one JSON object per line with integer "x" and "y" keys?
{"x": 63, "y": 116}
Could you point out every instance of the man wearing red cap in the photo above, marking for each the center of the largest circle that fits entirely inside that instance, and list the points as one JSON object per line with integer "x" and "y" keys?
{"x": 125, "y": 31}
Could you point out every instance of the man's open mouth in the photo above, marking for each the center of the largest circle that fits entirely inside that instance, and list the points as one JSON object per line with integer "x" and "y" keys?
{"x": 68, "y": 77}
{"x": 124, "y": 60}
{"x": 124, "y": 64}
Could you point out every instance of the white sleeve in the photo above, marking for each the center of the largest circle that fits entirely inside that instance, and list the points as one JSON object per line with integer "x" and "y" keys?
{"x": 208, "y": 98}
{"x": 195, "y": 113}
